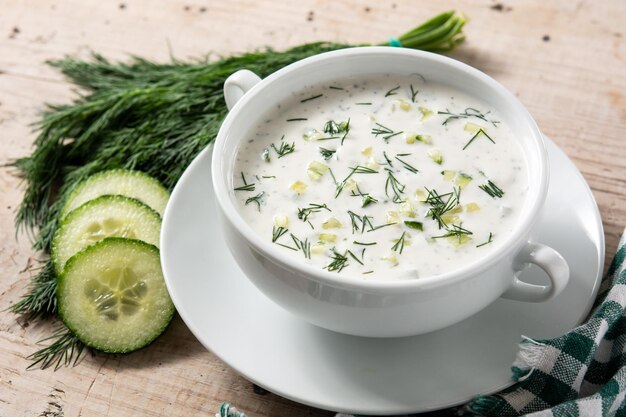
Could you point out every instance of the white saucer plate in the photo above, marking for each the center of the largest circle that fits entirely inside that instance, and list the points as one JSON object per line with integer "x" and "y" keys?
{"x": 310, "y": 365}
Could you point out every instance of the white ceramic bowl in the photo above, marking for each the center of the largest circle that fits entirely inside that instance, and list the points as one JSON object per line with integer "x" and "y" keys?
{"x": 370, "y": 308}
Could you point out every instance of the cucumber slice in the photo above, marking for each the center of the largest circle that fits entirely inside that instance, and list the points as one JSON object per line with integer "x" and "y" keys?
{"x": 106, "y": 216}
{"x": 135, "y": 184}
{"x": 112, "y": 295}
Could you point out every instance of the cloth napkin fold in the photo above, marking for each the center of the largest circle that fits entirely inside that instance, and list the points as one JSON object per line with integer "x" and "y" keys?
{"x": 581, "y": 373}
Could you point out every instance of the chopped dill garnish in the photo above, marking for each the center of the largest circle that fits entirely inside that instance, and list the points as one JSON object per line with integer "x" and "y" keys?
{"x": 387, "y": 159}
{"x": 284, "y": 149}
{"x": 385, "y": 132}
{"x": 327, "y": 153}
{"x": 406, "y": 165}
{"x": 365, "y": 243}
{"x": 311, "y": 98}
{"x": 368, "y": 272}
{"x": 354, "y": 256}
{"x": 297, "y": 119}
{"x": 277, "y": 232}
{"x": 256, "y": 199}
{"x": 266, "y": 155}
{"x": 380, "y": 226}
{"x": 246, "y": 186}
{"x": 400, "y": 242}
{"x": 440, "y": 204}
{"x": 493, "y": 190}
{"x": 414, "y": 225}
{"x": 339, "y": 262}
{"x": 268, "y": 176}
{"x": 396, "y": 187}
{"x": 367, "y": 200}
{"x": 392, "y": 92}
{"x": 413, "y": 93}
{"x": 303, "y": 245}
{"x": 332, "y": 128}
{"x": 455, "y": 231}
{"x": 476, "y": 135}
{"x": 359, "y": 223}
{"x": 489, "y": 240}
{"x": 363, "y": 104}
{"x": 359, "y": 169}
{"x": 332, "y": 87}
{"x": 304, "y": 213}
{"x": 466, "y": 114}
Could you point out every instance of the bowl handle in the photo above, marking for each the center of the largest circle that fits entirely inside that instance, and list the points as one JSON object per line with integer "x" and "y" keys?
{"x": 545, "y": 258}
{"x": 237, "y": 85}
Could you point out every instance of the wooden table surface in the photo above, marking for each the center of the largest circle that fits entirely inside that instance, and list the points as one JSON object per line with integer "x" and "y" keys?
{"x": 565, "y": 60}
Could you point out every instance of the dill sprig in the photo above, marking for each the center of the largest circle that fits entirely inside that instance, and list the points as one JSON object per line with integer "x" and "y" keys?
{"x": 284, "y": 148}
{"x": 333, "y": 128}
{"x": 400, "y": 242}
{"x": 65, "y": 350}
{"x": 489, "y": 240}
{"x": 246, "y": 186}
{"x": 147, "y": 116}
{"x": 353, "y": 256}
{"x": 480, "y": 132}
{"x": 311, "y": 98}
{"x": 277, "y": 232}
{"x": 493, "y": 190}
{"x": 406, "y": 165}
{"x": 385, "y": 132}
{"x": 466, "y": 114}
{"x": 339, "y": 261}
{"x": 395, "y": 186}
{"x": 359, "y": 169}
{"x": 441, "y": 204}
{"x": 367, "y": 200}
{"x": 327, "y": 153}
{"x": 455, "y": 231}
{"x": 359, "y": 223}
{"x": 364, "y": 243}
{"x": 40, "y": 299}
{"x": 303, "y": 245}
{"x": 392, "y": 92}
{"x": 256, "y": 199}
{"x": 413, "y": 93}
{"x": 304, "y": 213}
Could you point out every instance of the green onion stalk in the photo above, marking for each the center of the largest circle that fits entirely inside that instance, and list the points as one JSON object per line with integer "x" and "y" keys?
{"x": 146, "y": 116}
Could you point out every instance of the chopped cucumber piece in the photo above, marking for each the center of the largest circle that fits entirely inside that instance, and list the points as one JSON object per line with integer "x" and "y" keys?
{"x": 112, "y": 295}
{"x": 106, "y": 216}
{"x": 133, "y": 184}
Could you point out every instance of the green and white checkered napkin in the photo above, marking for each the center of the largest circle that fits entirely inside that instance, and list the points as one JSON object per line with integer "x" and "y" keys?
{"x": 581, "y": 373}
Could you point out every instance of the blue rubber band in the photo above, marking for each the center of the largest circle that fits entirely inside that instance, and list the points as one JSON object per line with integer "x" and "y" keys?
{"x": 395, "y": 42}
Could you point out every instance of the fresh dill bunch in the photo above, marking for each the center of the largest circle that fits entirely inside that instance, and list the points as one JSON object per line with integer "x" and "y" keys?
{"x": 145, "y": 116}
{"x": 40, "y": 299}
{"x": 65, "y": 350}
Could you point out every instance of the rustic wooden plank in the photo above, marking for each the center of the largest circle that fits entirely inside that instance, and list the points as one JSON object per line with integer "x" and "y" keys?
{"x": 563, "y": 59}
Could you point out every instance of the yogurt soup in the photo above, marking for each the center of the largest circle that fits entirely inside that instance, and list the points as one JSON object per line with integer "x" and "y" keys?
{"x": 382, "y": 177}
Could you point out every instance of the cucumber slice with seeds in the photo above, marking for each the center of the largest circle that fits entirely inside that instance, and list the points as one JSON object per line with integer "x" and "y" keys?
{"x": 135, "y": 184}
{"x": 106, "y": 216}
{"x": 112, "y": 295}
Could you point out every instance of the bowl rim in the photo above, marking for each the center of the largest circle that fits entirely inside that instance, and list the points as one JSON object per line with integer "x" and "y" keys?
{"x": 266, "y": 249}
